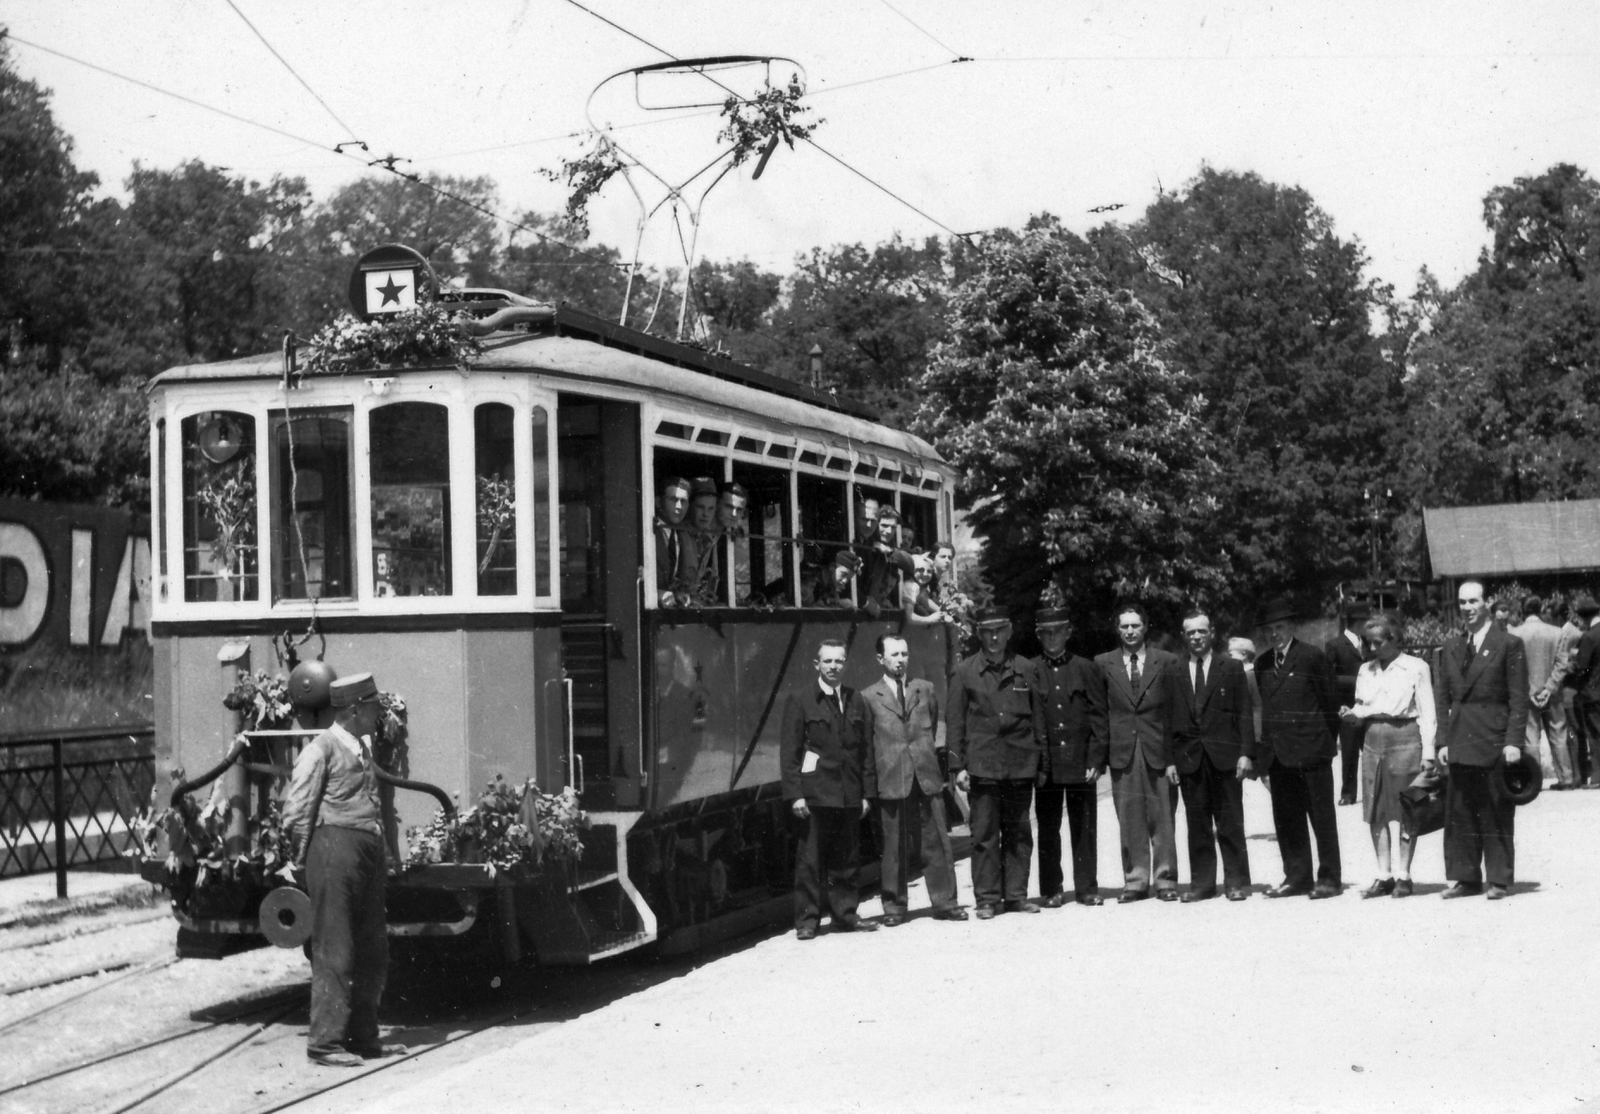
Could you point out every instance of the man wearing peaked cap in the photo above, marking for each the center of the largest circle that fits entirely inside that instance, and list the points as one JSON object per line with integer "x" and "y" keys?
{"x": 332, "y": 811}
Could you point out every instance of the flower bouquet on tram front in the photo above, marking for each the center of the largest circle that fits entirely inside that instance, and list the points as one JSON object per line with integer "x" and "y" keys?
{"x": 517, "y": 828}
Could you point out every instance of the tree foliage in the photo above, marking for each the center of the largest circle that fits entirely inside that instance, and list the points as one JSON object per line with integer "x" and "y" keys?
{"x": 1080, "y": 446}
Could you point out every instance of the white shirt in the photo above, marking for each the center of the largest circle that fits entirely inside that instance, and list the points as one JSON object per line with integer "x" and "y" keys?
{"x": 1479, "y": 635}
{"x": 1199, "y": 670}
{"x": 1128, "y": 661}
{"x": 897, "y": 686}
{"x": 1404, "y": 690}
{"x": 347, "y": 740}
{"x": 829, "y": 690}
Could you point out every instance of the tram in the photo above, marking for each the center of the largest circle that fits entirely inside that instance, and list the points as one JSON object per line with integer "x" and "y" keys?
{"x": 546, "y": 645}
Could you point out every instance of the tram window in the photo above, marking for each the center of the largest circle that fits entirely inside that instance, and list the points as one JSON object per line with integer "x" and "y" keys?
{"x": 711, "y": 437}
{"x": 160, "y": 535}
{"x": 824, "y": 532}
{"x": 809, "y": 457}
{"x": 689, "y": 560}
{"x": 782, "y": 452}
{"x": 919, "y": 523}
{"x": 311, "y": 504}
{"x": 760, "y": 543}
{"x": 674, "y": 429}
{"x": 582, "y": 494}
{"x": 496, "y": 480}
{"x": 221, "y": 557}
{"x": 541, "y": 501}
{"x": 749, "y": 445}
{"x": 410, "y": 450}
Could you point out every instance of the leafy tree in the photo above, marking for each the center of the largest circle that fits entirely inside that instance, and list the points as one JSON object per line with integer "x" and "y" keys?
{"x": 1504, "y": 389}
{"x": 1080, "y": 446}
{"x": 65, "y": 435}
{"x": 1270, "y": 313}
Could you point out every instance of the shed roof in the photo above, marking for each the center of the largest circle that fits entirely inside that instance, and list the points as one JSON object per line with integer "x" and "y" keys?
{"x": 1505, "y": 538}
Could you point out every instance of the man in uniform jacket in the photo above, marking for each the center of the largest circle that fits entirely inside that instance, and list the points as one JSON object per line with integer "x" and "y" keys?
{"x": 1300, "y": 725}
{"x": 1483, "y": 703}
{"x": 1214, "y": 748}
{"x": 825, "y": 759}
{"x": 1346, "y": 651}
{"x": 1139, "y": 703}
{"x": 996, "y": 732}
{"x": 1074, "y": 693}
{"x": 905, "y": 749}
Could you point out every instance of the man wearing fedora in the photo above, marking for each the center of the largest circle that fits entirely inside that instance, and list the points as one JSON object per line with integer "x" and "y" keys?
{"x": 995, "y": 735}
{"x": 1346, "y": 651}
{"x": 332, "y": 812}
{"x": 1140, "y": 694}
{"x": 1300, "y": 728}
{"x": 1074, "y": 695}
{"x": 1483, "y": 685}
{"x": 905, "y": 750}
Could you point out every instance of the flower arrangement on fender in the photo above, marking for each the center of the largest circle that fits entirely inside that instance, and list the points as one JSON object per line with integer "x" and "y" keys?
{"x": 428, "y": 333}
{"x": 512, "y": 827}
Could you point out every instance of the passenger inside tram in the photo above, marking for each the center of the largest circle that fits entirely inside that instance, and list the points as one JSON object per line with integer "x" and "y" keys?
{"x": 698, "y": 571}
{"x": 672, "y": 504}
{"x": 831, "y": 587}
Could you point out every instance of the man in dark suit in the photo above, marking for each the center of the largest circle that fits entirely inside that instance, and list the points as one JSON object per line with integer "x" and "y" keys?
{"x": 1483, "y": 702}
{"x": 1140, "y": 696}
{"x": 671, "y": 507}
{"x": 1300, "y": 724}
{"x": 1074, "y": 693}
{"x": 996, "y": 733}
{"x": 1346, "y": 651}
{"x": 829, "y": 778}
{"x": 905, "y": 749}
{"x": 1583, "y": 683}
{"x": 1214, "y": 748}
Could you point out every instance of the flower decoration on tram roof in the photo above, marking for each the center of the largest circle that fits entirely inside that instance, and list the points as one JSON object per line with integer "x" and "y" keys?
{"x": 429, "y": 333}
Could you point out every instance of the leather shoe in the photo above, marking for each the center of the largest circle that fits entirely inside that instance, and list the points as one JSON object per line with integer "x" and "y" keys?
{"x": 854, "y": 924}
{"x": 984, "y": 912}
{"x": 1238, "y": 894}
{"x": 805, "y": 934}
{"x": 952, "y": 914}
{"x": 1286, "y": 890}
{"x": 1347, "y": 799}
{"x": 893, "y": 920}
{"x": 337, "y": 1059}
{"x": 1498, "y": 893}
{"x": 1128, "y": 896}
{"x": 1192, "y": 896}
{"x": 376, "y": 1051}
{"x": 1021, "y": 907}
{"x": 1380, "y": 887}
{"x": 1091, "y": 899}
{"x": 1326, "y": 889}
{"x": 1463, "y": 889}
{"x": 1054, "y": 901}
{"x": 1403, "y": 888}
{"x": 1166, "y": 895}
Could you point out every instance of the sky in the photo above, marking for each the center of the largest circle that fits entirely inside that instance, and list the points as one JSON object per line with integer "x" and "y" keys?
{"x": 1397, "y": 118}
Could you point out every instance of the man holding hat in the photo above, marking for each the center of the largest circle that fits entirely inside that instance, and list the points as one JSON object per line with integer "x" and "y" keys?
{"x": 1300, "y": 729}
{"x": 996, "y": 733}
{"x": 1483, "y": 684}
{"x": 1346, "y": 651}
{"x": 332, "y": 812}
{"x": 671, "y": 507}
{"x": 1074, "y": 696}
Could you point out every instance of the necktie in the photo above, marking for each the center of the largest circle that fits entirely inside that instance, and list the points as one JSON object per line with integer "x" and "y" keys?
{"x": 1199, "y": 685}
{"x": 1133, "y": 669}
{"x": 900, "y": 695}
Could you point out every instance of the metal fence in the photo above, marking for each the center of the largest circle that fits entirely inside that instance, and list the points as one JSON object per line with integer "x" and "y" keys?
{"x": 68, "y": 798}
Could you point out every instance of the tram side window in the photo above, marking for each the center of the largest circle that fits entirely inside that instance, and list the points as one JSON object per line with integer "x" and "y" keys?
{"x": 311, "y": 522}
{"x": 410, "y": 447}
{"x": 686, "y": 533}
{"x": 496, "y": 479}
{"x": 221, "y": 555}
{"x": 827, "y": 565}
{"x": 541, "y": 501}
{"x": 919, "y": 524}
{"x": 758, "y": 533}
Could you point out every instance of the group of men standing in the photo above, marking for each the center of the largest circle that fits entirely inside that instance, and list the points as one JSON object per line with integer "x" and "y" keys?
{"x": 1021, "y": 733}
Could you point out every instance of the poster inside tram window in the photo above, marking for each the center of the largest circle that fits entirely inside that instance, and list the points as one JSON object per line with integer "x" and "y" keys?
{"x": 74, "y": 617}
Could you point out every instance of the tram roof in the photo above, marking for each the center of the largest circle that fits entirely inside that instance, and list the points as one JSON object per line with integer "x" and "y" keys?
{"x": 589, "y": 349}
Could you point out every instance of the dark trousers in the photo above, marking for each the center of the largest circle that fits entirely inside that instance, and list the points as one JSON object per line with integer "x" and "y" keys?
{"x": 831, "y": 845}
{"x": 1080, "y": 805}
{"x": 1584, "y": 723}
{"x": 345, "y": 877}
{"x": 1002, "y": 839}
{"x": 1302, "y": 794}
{"x": 909, "y": 825}
{"x": 1213, "y": 806}
{"x": 1350, "y": 738}
{"x": 1479, "y": 822}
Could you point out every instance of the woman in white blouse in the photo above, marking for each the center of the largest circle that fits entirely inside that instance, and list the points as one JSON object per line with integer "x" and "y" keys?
{"x": 1394, "y": 698}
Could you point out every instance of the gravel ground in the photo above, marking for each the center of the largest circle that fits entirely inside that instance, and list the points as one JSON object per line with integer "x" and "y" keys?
{"x": 1264, "y": 1005}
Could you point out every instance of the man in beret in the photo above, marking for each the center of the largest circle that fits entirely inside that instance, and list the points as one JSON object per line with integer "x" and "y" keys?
{"x": 1483, "y": 705}
{"x": 1074, "y": 694}
{"x": 995, "y": 737}
{"x": 332, "y": 812}
{"x": 672, "y": 505}
{"x": 1300, "y": 729}
{"x": 1346, "y": 651}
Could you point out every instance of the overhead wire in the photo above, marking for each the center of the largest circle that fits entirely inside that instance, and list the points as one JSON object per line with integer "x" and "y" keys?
{"x": 304, "y": 84}
{"x": 927, "y": 34}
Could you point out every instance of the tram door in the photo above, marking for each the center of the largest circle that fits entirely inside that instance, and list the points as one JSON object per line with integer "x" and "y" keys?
{"x": 597, "y": 447}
